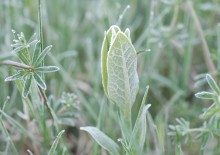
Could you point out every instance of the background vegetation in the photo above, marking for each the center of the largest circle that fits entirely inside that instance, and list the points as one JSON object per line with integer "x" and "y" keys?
{"x": 184, "y": 39}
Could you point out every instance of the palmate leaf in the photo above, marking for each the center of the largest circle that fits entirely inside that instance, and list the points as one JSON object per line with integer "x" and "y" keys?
{"x": 123, "y": 82}
{"x": 39, "y": 81}
{"x": 27, "y": 86}
{"x": 42, "y": 56}
{"x": 47, "y": 69}
{"x": 102, "y": 139}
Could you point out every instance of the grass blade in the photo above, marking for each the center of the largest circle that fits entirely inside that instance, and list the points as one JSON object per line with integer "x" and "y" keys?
{"x": 54, "y": 146}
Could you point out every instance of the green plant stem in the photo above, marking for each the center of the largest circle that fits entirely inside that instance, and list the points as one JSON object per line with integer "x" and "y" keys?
{"x": 40, "y": 25}
{"x": 128, "y": 117}
{"x": 205, "y": 47}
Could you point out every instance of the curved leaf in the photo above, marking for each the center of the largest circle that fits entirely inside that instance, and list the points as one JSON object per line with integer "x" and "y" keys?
{"x": 212, "y": 84}
{"x": 205, "y": 95}
{"x": 54, "y": 146}
{"x": 104, "y": 53}
{"x": 102, "y": 139}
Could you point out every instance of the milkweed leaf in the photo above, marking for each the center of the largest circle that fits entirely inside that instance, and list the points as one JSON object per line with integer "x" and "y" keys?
{"x": 102, "y": 139}
{"x": 123, "y": 82}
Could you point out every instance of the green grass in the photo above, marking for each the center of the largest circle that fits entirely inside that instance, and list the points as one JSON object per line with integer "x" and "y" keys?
{"x": 173, "y": 67}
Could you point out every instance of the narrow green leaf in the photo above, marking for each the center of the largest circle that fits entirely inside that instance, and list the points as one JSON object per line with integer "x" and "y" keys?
{"x": 104, "y": 52}
{"x": 205, "y": 95}
{"x": 15, "y": 77}
{"x": 123, "y": 82}
{"x": 42, "y": 55}
{"x": 143, "y": 51}
{"x": 18, "y": 49}
{"x": 212, "y": 84}
{"x": 27, "y": 86}
{"x": 23, "y": 56}
{"x": 140, "y": 126}
{"x": 40, "y": 81}
{"x": 55, "y": 143}
{"x": 36, "y": 52}
{"x": 46, "y": 69}
{"x": 102, "y": 139}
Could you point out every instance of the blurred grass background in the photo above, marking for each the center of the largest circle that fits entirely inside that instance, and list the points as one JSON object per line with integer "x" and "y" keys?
{"x": 173, "y": 68}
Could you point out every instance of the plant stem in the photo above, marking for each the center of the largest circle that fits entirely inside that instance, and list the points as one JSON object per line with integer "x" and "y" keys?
{"x": 205, "y": 47}
{"x": 45, "y": 101}
{"x": 16, "y": 64}
{"x": 40, "y": 25}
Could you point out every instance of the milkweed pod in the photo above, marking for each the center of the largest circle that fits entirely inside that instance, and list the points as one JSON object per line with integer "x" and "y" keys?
{"x": 119, "y": 67}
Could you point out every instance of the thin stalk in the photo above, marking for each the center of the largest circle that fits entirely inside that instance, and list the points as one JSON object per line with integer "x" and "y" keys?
{"x": 45, "y": 101}
{"x": 218, "y": 44}
{"x": 16, "y": 64}
{"x": 40, "y": 25}
{"x": 40, "y": 31}
{"x": 5, "y": 131}
{"x": 205, "y": 47}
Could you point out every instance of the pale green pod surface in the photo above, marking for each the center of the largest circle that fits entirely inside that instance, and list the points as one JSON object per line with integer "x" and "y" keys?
{"x": 104, "y": 51}
{"x": 122, "y": 82}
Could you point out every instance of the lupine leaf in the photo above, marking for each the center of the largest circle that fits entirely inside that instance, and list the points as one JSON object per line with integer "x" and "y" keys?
{"x": 46, "y": 69}
{"x": 213, "y": 84}
{"x": 205, "y": 95}
{"x": 23, "y": 56}
{"x": 42, "y": 55}
{"x": 27, "y": 86}
{"x": 40, "y": 81}
{"x": 102, "y": 139}
{"x": 36, "y": 52}
{"x": 14, "y": 77}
